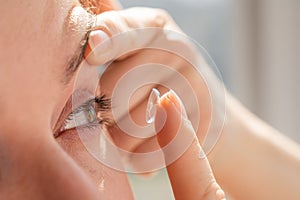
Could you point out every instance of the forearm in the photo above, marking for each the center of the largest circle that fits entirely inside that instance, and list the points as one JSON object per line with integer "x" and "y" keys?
{"x": 254, "y": 161}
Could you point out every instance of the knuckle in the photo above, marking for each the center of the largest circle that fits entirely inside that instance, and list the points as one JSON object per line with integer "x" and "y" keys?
{"x": 109, "y": 22}
{"x": 162, "y": 13}
{"x": 161, "y": 17}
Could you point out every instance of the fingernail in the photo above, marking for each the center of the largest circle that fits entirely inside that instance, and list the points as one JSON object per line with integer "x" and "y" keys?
{"x": 202, "y": 154}
{"x": 220, "y": 194}
{"x": 151, "y": 106}
{"x": 178, "y": 103}
{"x": 99, "y": 42}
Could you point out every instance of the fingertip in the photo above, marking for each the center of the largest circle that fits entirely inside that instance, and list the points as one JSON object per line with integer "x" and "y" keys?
{"x": 179, "y": 135}
{"x": 99, "y": 45}
{"x": 164, "y": 100}
{"x": 167, "y": 120}
{"x": 169, "y": 103}
{"x": 171, "y": 98}
{"x": 98, "y": 37}
{"x": 171, "y": 119}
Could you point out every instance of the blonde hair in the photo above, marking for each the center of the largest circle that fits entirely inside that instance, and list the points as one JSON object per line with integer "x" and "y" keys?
{"x": 92, "y": 6}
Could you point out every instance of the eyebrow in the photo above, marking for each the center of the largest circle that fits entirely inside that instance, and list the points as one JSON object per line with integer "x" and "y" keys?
{"x": 75, "y": 61}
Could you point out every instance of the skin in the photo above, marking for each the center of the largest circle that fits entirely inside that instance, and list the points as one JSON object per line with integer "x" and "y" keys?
{"x": 33, "y": 165}
{"x": 251, "y": 160}
{"x": 35, "y": 49}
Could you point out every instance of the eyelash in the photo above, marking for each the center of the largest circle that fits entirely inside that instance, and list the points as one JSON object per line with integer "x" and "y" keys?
{"x": 99, "y": 104}
{"x": 95, "y": 106}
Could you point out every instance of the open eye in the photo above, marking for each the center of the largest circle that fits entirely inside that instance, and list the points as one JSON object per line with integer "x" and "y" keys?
{"x": 82, "y": 116}
{"x": 87, "y": 115}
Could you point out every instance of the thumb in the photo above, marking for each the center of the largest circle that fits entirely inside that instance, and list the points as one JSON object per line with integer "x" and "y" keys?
{"x": 190, "y": 175}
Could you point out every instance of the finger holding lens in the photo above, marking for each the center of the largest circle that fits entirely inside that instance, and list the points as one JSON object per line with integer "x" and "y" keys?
{"x": 144, "y": 53}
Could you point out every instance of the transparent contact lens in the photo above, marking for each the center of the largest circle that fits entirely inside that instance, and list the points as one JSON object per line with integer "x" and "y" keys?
{"x": 81, "y": 117}
{"x": 151, "y": 106}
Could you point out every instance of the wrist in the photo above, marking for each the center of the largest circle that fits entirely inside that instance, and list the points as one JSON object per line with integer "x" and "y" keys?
{"x": 232, "y": 137}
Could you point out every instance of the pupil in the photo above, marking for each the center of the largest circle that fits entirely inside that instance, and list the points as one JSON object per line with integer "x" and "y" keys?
{"x": 91, "y": 115}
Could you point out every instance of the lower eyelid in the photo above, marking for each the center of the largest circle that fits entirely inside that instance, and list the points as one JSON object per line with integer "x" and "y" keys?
{"x": 81, "y": 95}
{"x": 66, "y": 134}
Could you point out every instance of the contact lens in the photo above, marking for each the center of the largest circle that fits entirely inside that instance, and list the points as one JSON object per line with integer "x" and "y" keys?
{"x": 151, "y": 106}
{"x": 80, "y": 117}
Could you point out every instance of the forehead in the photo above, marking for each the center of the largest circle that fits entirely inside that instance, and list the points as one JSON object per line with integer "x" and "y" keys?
{"x": 25, "y": 20}
{"x": 41, "y": 12}
{"x": 38, "y": 34}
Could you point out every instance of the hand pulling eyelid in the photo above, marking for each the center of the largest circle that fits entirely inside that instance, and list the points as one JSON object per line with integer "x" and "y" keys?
{"x": 99, "y": 44}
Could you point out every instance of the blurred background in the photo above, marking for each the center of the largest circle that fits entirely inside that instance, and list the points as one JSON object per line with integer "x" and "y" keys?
{"x": 256, "y": 46}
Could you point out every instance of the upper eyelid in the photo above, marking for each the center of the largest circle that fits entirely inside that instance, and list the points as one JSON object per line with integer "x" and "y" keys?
{"x": 78, "y": 55}
{"x": 82, "y": 48}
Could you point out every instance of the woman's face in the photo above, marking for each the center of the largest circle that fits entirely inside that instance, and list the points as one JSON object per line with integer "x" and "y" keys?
{"x": 41, "y": 45}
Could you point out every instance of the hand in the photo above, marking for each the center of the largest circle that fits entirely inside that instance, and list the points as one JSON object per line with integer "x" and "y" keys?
{"x": 241, "y": 127}
{"x": 125, "y": 39}
{"x": 190, "y": 175}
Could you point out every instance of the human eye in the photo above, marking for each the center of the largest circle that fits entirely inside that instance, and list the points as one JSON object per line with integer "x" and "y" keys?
{"x": 90, "y": 114}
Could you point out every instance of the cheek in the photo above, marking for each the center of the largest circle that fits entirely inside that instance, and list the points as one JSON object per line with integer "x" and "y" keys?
{"x": 105, "y": 178}
{"x": 39, "y": 169}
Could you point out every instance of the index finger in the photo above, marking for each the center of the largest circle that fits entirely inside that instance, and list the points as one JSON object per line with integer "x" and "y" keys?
{"x": 104, "y": 43}
{"x": 190, "y": 175}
